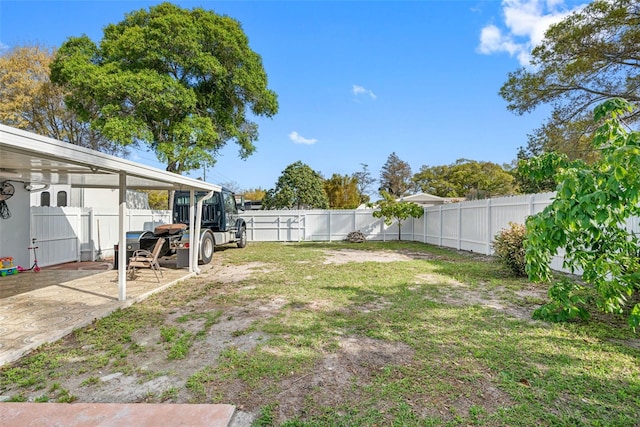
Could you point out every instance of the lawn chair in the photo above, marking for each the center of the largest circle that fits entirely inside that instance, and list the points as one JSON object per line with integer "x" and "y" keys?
{"x": 142, "y": 258}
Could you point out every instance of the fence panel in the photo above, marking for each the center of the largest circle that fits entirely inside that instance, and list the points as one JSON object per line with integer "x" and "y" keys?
{"x": 433, "y": 219}
{"x": 106, "y": 226}
{"x": 472, "y": 225}
{"x": 450, "y": 225}
{"x": 58, "y": 233}
{"x": 474, "y": 233}
{"x": 81, "y": 234}
{"x": 275, "y": 226}
{"x": 367, "y": 224}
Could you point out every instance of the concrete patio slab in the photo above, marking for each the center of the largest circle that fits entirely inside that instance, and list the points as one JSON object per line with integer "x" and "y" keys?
{"x": 37, "y": 308}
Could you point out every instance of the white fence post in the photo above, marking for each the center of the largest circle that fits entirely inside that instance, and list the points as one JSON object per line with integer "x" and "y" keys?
{"x": 424, "y": 223}
{"x": 441, "y": 229}
{"x": 459, "y": 226}
{"x": 531, "y": 204}
{"x": 489, "y": 234}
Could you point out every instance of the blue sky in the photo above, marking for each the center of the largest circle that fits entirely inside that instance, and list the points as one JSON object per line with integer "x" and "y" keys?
{"x": 356, "y": 80}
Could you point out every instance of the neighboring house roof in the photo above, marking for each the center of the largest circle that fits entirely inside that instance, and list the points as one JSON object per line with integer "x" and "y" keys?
{"x": 427, "y": 199}
{"x": 424, "y": 198}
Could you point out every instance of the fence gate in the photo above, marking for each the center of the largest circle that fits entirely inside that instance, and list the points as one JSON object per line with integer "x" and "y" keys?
{"x": 58, "y": 233}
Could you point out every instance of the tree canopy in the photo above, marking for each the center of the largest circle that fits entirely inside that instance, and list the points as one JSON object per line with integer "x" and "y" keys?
{"x": 254, "y": 194}
{"x": 588, "y": 217}
{"x": 395, "y": 176}
{"x": 342, "y": 191}
{"x": 184, "y": 82}
{"x": 538, "y": 174}
{"x": 364, "y": 181}
{"x": 465, "y": 178}
{"x": 298, "y": 187}
{"x": 30, "y": 101}
{"x": 590, "y": 56}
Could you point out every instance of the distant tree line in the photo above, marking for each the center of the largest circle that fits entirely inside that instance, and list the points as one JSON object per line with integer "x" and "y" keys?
{"x": 299, "y": 186}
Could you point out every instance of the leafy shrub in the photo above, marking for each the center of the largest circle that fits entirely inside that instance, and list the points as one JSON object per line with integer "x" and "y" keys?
{"x": 588, "y": 218}
{"x": 509, "y": 248}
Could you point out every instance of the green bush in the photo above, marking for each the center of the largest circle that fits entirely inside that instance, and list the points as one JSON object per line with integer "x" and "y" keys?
{"x": 509, "y": 248}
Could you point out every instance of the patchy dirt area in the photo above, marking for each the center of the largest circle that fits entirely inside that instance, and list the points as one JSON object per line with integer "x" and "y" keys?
{"x": 155, "y": 378}
{"x": 345, "y": 256}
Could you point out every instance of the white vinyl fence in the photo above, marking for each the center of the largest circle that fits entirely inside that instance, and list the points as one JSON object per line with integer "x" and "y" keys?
{"x": 81, "y": 234}
{"x": 467, "y": 226}
{"x": 71, "y": 234}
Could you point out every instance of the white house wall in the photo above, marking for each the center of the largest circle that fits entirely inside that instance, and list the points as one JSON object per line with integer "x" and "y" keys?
{"x": 96, "y": 198}
{"x": 14, "y": 231}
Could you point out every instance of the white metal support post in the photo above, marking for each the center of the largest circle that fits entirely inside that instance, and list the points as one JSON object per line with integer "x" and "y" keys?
{"x": 196, "y": 237}
{"x": 192, "y": 240}
{"x": 122, "y": 237}
{"x": 92, "y": 246}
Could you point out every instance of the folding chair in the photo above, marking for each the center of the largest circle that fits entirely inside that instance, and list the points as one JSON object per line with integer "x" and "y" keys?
{"x": 145, "y": 259}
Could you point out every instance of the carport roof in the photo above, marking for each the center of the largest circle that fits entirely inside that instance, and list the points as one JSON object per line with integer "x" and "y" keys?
{"x": 31, "y": 158}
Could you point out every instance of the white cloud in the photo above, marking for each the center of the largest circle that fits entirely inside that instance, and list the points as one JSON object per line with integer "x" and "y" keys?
{"x": 360, "y": 90}
{"x": 299, "y": 139}
{"x": 525, "y": 22}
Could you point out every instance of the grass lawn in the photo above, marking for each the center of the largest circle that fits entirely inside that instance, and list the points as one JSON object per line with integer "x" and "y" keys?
{"x": 338, "y": 334}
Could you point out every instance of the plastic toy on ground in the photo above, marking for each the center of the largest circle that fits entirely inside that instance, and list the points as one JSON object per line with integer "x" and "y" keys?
{"x": 8, "y": 271}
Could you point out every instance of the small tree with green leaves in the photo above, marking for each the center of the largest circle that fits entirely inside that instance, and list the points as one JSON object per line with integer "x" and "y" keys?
{"x": 588, "y": 217}
{"x": 390, "y": 209}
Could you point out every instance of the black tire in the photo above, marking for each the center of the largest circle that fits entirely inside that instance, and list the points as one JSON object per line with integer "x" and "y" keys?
{"x": 243, "y": 238}
{"x": 207, "y": 245}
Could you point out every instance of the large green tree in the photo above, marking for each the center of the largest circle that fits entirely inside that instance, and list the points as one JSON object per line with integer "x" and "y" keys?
{"x": 30, "y": 101}
{"x": 298, "y": 187}
{"x": 589, "y": 219}
{"x": 395, "y": 176}
{"x": 184, "y": 82}
{"x": 590, "y": 56}
{"x": 465, "y": 178}
{"x": 538, "y": 174}
{"x": 342, "y": 191}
